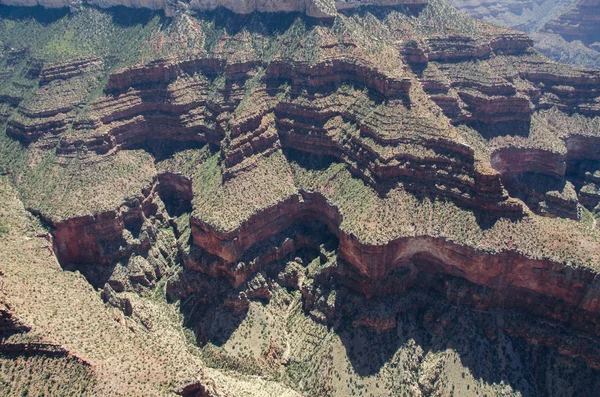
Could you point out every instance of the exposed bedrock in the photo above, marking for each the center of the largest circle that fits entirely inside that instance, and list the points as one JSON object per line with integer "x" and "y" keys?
{"x": 572, "y": 92}
{"x": 451, "y": 173}
{"x": 154, "y": 101}
{"x": 539, "y": 178}
{"x": 432, "y": 287}
{"x": 580, "y": 22}
{"x": 552, "y": 182}
{"x": 127, "y": 247}
{"x": 179, "y": 101}
{"x": 550, "y": 289}
{"x": 62, "y": 87}
{"x": 464, "y": 77}
{"x": 428, "y": 269}
{"x": 456, "y": 47}
{"x": 521, "y": 160}
{"x": 339, "y": 70}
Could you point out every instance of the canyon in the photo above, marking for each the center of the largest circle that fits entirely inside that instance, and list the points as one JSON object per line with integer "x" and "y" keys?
{"x": 391, "y": 172}
{"x": 566, "y": 31}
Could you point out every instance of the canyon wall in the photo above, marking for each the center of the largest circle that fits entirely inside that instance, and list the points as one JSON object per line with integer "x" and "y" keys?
{"x": 565, "y": 30}
{"x": 581, "y": 22}
{"x": 290, "y": 148}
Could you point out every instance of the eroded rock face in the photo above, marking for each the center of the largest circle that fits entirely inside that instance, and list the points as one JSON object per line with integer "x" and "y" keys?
{"x": 564, "y": 30}
{"x": 318, "y": 150}
{"x": 525, "y": 15}
{"x": 128, "y": 248}
{"x": 581, "y": 22}
{"x": 148, "y": 102}
{"x": 513, "y": 278}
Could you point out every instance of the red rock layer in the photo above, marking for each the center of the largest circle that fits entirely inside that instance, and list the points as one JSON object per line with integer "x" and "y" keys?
{"x": 516, "y": 280}
{"x": 466, "y": 81}
{"x": 70, "y": 69}
{"x": 95, "y": 243}
{"x": 557, "y": 168}
{"x": 180, "y": 101}
{"x": 51, "y": 111}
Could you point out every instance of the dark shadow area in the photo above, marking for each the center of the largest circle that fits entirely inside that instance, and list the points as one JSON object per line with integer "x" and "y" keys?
{"x": 215, "y": 311}
{"x": 122, "y": 16}
{"x": 211, "y": 323}
{"x": 532, "y": 182}
{"x": 543, "y": 194}
{"x": 215, "y": 307}
{"x": 133, "y": 225}
{"x": 487, "y": 219}
{"x": 175, "y": 191}
{"x": 125, "y": 17}
{"x": 21, "y": 139}
{"x": 497, "y": 346}
{"x": 97, "y": 274}
{"x": 162, "y": 149}
{"x": 115, "y": 247}
{"x": 580, "y": 172}
{"x": 421, "y": 189}
{"x": 341, "y": 83}
{"x": 381, "y": 12}
{"x": 496, "y": 129}
{"x": 42, "y": 15}
{"x": 229, "y": 23}
{"x": 309, "y": 161}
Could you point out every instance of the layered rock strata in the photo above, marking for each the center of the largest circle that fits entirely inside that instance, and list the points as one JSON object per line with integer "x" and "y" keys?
{"x": 565, "y": 31}
{"x": 411, "y": 158}
{"x": 515, "y": 280}
{"x": 580, "y": 22}
{"x": 129, "y": 248}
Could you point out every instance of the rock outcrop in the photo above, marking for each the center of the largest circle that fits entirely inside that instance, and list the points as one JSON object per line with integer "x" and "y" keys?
{"x": 581, "y": 22}
{"x": 129, "y": 248}
{"x": 525, "y": 15}
{"x": 395, "y": 162}
{"x": 565, "y": 31}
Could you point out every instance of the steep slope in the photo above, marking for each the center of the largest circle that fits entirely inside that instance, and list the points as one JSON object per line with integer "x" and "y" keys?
{"x": 300, "y": 186}
{"x": 574, "y": 35}
{"x": 578, "y": 23}
{"x": 76, "y": 345}
{"x": 565, "y": 31}
{"x": 525, "y": 15}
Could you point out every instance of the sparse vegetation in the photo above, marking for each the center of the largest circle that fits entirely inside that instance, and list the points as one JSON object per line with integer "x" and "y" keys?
{"x": 265, "y": 117}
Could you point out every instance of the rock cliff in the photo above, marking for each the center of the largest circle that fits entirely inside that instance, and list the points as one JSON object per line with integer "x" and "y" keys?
{"x": 565, "y": 31}
{"x": 401, "y": 156}
{"x": 579, "y": 22}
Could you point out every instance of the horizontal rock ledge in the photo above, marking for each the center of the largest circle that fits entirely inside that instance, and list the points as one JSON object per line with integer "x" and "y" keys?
{"x": 577, "y": 288}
